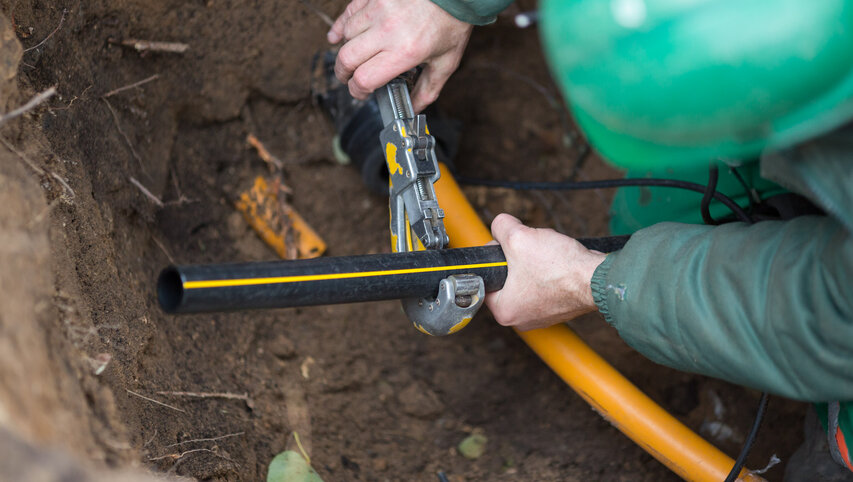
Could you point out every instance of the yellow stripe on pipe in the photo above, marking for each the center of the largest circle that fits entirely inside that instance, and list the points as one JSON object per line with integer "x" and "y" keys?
{"x": 227, "y": 283}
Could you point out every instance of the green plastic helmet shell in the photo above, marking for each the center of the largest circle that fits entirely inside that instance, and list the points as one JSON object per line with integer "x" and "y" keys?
{"x": 682, "y": 82}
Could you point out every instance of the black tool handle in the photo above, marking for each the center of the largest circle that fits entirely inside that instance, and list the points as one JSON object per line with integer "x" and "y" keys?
{"x": 324, "y": 281}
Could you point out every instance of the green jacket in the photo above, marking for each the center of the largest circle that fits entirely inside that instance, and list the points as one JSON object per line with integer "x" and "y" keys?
{"x": 768, "y": 306}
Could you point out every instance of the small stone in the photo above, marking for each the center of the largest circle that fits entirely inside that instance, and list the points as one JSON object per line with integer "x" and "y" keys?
{"x": 236, "y": 224}
{"x": 349, "y": 464}
{"x": 380, "y": 465}
{"x": 419, "y": 401}
{"x": 282, "y": 347}
{"x": 305, "y": 368}
{"x": 473, "y": 446}
{"x": 384, "y": 389}
{"x": 100, "y": 363}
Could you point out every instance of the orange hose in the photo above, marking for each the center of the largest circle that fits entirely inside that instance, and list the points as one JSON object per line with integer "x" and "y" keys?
{"x": 602, "y": 386}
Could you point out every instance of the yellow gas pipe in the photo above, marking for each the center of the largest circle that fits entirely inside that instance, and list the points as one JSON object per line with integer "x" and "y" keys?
{"x": 610, "y": 394}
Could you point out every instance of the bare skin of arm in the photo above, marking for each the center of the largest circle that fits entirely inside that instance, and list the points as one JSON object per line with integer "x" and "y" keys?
{"x": 548, "y": 276}
{"x": 385, "y": 38}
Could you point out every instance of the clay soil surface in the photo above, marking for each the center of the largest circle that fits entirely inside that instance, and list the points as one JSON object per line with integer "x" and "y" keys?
{"x": 85, "y": 352}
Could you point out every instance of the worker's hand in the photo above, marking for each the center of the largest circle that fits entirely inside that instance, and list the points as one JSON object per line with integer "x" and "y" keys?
{"x": 548, "y": 276}
{"x": 385, "y": 38}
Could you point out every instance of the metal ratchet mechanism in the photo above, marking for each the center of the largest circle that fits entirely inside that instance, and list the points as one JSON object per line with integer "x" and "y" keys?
{"x": 416, "y": 219}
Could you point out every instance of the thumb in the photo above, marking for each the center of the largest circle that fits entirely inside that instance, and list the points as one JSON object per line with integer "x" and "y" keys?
{"x": 503, "y": 225}
{"x": 430, "y": 83}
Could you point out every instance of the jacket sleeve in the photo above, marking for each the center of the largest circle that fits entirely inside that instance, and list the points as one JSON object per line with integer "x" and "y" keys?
{"x": 769, "y": 306}
{"x": 475, "y": 12}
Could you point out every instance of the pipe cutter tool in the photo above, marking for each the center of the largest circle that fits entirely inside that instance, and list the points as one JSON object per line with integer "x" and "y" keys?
{"x": 416, "y": 218}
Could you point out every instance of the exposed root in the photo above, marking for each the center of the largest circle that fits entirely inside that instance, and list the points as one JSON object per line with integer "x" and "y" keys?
{"x": 131, "y": 86}
{"x": 32, "y": 104}
{"x": 163, "y": 249}
{"x": 51, "y": 34}
{"x": 144, "y": 190}
{"x": 151, "y": 439}
{"x": 181, "y": 198}
{"x": 177, "y": 457}
{"x": 153, "y": 46}
{"x": 68, "y": 193}
{"x": 224, "y": 395}
{"x": 155, "y": 401}
{"x": 80, "y": 96}
{"x": 327, "y": 19}
{"x": 263, "y": 153}
{"x": 123, "y": 134}
{"x": 213, "y": 439}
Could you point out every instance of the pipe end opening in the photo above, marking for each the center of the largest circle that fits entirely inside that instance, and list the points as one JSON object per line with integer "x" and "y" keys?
{"x": 170, "y": 289}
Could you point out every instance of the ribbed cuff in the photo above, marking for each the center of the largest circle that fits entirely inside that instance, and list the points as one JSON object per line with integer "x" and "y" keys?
{"x": 599, "y": 287}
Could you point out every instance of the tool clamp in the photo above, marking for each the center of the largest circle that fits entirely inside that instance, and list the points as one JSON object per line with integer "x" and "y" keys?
{"x": 416, "y": 218}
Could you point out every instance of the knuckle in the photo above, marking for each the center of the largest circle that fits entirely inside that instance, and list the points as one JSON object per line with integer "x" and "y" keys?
{"x": 361, "y": 80}
{"x": 390, "y": 26}
{"x": 410, "y": 50}
{"x": 516, "y": 237}
{"x": 345, "y": 60}
{"x": 503, "y": 318}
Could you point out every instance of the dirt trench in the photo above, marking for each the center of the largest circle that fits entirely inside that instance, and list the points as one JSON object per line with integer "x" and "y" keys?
{"x": 85, "y": 351}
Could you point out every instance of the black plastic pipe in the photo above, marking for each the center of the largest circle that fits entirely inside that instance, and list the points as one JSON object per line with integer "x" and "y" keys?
{"x": 325, "y": 281}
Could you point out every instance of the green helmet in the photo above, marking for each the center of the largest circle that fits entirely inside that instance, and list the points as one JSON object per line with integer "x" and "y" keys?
{"x": 681, "y": 82}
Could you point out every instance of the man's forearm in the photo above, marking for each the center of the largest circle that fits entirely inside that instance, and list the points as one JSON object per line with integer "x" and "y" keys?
{"x": 768, "y": 306}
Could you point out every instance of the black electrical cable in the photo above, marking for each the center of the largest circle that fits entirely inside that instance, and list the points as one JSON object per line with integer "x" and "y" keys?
{"x": 607, "y": 184}
{"x": 750, "y": 192}
{"x": 713, "y": 177}
{"x": 710, "y": 190}
{"x": 750, "y": 439}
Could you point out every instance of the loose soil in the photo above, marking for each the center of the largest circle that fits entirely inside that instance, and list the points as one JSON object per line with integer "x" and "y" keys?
{"x": 82, "y": 340}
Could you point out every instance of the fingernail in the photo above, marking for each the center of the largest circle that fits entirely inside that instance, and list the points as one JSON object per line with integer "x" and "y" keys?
{"x": 332, "y": 37}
